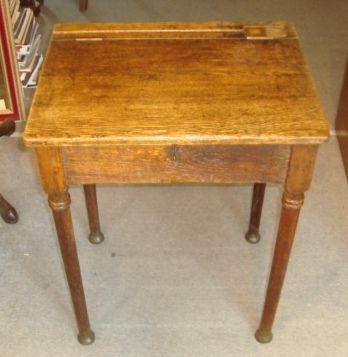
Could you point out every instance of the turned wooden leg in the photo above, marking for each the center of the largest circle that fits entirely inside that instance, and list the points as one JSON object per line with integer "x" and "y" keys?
{"x": 291, "y": 205}
{"x": 7, "y": 212}
{"x": 95, "y": 236}
{"x": 253, "y": 235}
{"x": 60, "y": 205}
{"x": 298, "y": 181}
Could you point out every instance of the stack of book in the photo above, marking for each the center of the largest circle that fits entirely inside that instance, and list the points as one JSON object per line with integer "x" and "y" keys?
{"x": 27, "y": 43}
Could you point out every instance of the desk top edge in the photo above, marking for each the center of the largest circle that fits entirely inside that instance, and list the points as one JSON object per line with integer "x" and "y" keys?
{"x": 31, "y": 141}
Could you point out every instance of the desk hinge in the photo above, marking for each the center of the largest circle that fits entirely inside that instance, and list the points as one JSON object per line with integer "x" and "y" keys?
{"x": 265, "y": 32}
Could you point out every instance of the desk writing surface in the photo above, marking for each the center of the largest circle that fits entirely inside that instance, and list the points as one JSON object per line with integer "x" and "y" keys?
{"x": 163, "y": 83}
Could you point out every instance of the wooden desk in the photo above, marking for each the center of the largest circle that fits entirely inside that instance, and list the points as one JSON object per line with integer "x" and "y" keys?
{"x": 175, "y": 103}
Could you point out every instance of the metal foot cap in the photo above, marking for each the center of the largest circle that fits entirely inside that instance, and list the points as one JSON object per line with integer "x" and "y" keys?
{"x": 96, "y": 238}
{"x": 86, "y": 338}
{"x": 252, "y": 236}
{"x": 263, "y": 336}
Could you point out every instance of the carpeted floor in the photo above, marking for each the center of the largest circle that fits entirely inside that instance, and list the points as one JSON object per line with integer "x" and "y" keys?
{"x": 175, "y": 276}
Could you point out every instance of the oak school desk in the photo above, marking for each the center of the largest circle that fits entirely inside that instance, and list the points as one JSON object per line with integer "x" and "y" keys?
{"x": 175, "y": 103}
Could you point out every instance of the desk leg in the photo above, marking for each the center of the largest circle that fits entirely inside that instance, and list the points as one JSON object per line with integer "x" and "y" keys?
{"x": 95, "y": 236}
{"x": 253, "y": 235}
{"x": 286, "y": 232}
{"x": 60, "y": 205}
{"x": 7, "y": 212}
{"x": 83, "y": 4}
{"x": 298, "y": 181}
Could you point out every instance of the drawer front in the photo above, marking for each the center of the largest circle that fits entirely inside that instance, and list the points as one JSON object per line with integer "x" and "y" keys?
{"x": 174, "y": 164}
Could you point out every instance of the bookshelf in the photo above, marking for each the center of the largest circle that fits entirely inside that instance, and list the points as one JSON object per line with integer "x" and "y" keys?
{"x": 11, "y": 91}
{"x": 27, "y": 43}
{"x": 20, "y": 57}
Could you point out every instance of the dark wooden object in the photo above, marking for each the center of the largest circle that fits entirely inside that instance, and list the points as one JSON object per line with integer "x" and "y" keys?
{"x": 298, "y": 180}
{"x": 7, "y": 212}
{"x": 253, "y": 235}
{"x": 342, "y": 121}
{"x": 83, "y": 4}
{"x": 196, "y": 103}
{"x": 95, "y": 236}
{"x": 51, "y": 168}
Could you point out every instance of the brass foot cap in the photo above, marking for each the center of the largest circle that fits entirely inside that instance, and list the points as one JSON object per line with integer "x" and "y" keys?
{"x": 263, "y": 336}
{"x": 96, "y": 238}
{"x": 252, "y": 236}
{"x": 86, "y": 338}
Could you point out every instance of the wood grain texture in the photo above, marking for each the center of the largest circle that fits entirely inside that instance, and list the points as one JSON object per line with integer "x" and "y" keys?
{"x": 209, "y": 89}
{"x": 51, "y": 169}
{"x": 176, "y": 164}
